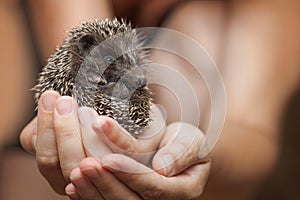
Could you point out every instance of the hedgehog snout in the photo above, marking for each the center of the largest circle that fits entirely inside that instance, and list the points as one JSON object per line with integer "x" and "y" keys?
{"x": 141, "y": 82}
{"x": 134, "y": 81}
{"x": 127, "y": 85}
{"x": 138, "y": 78}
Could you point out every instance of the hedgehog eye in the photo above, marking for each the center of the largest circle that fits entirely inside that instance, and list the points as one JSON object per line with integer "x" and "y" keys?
{"x": 102, "y": 82}
{"x": 91, "y": 79}
{"x": 96, "y": 80}
{"x": 86, "y": 43}
{"x": 109, "y": 59}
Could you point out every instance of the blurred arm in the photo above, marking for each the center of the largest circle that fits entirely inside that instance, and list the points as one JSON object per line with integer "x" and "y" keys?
{"x": 52, "y": 18}
{"x": 15, "y": 70}
{"x": 257, "y": 46}
{"x": 261, "y": 72}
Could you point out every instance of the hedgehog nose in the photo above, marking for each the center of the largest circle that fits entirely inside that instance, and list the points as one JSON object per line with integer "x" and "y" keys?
{"x": 141, "y": 82}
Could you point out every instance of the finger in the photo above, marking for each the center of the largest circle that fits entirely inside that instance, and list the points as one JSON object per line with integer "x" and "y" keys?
{"x": 28, "y": 136}
{"x": 180, "y": 149}
{"x": 121, "y": 141}
{"x": 107, "y": 184}
{"x": 71, "y": 191}
{"x": 46, "y": 150}
{"x": 151, "y": 185}
{"x": 94, "y": 144}
{"x": 118, "y": 138}
{"x": 70, "y": 150}
{"x": 85, "y": 189}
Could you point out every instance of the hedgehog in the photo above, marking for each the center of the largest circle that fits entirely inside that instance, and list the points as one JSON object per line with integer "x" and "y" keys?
{"x": 102, "y": 64}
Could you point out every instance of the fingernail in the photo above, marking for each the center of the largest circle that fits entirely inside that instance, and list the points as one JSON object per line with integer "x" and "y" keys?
{"x": 64, "y": 105}
{"x": 75, "y": 174}
{"x": 48, "y": 101}
{"x": 71, "y": 191}
{"x": 77, "y": 178}
{"x": 102, "y": 124}
{"x": 85, "y": 116}
{"x": 167, "y": 163}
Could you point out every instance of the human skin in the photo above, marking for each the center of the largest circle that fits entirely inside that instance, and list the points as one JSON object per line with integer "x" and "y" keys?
{"x": 252, "y": 61}
{"x": 59, "y": 150}
{"x": 252, "y": 65}
{"x": 15, "y": 73}
{"x": 68, "y": 14}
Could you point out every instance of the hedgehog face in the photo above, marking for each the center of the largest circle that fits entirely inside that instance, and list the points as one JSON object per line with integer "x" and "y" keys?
{"x": 114, "y": 65}
{"x": 123, "y": 78}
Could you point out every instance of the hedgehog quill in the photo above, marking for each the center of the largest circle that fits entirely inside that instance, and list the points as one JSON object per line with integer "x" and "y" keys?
{"x": 102, "y": 65}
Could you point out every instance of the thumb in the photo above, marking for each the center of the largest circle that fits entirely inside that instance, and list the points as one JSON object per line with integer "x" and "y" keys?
{"x": 179, "y": 149}
{"x": 28, "y": 136}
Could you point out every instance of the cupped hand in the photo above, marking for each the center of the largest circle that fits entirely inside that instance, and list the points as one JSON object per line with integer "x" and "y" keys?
{"x": 54, "y": 138}
{"x": 101, "y": 131}
{"x": 60, "y": 143}
{"x": 178, "y": 172}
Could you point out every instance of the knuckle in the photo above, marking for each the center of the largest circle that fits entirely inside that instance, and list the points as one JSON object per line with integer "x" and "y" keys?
{"x": 184, "y": 157}
{"x": 106, "y": 189}
{"x": 44, "y": 121}
{"x": 190, "y": 155}
{"x": 66, "y": 171}
{"x": 155, "y": 192}
{"x": 67, "y": 168}
{"x": 130, "y": 147}
{"x": 64, "y": 131}
{"x": 113, "y": 138}
{"x": 192, "y": 189}
{"x": 47, "y": 162}
{"x": 197, "y": 192}
{"x": 45, "y": 124}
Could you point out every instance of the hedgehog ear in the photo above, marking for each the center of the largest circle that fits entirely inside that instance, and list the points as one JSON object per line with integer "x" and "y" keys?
{"x": 86, "y": 43}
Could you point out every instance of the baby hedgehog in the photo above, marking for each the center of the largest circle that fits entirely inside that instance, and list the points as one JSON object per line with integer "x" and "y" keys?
{"x": 102, "y": 65}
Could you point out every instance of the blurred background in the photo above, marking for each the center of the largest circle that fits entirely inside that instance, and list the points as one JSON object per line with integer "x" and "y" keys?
{"x": 284, "y": 182}
{"x": 21, "y": 57}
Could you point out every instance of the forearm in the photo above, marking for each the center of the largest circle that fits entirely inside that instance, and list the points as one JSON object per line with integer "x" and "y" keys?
{"x": 261, "y": 73}
{"x": 52, "y": 18}
{"x": 261, "y": 65}
{"x": 16, "y": 70}
{"x": 259, "y": 45}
